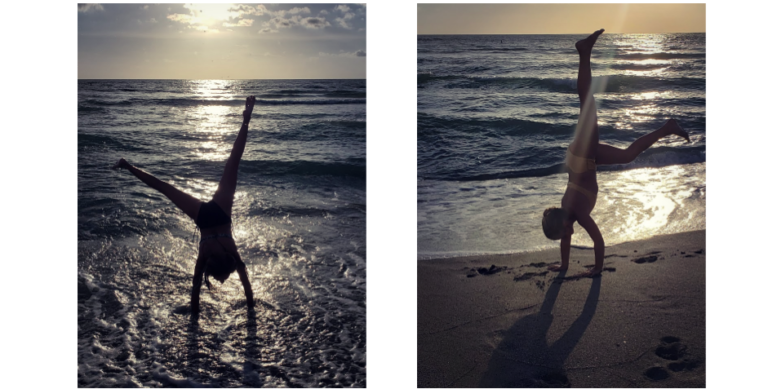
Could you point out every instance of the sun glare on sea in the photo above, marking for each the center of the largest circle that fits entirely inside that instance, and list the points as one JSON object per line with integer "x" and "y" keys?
{"x": 649, "y": 199}
{"x": 212, "y": 119}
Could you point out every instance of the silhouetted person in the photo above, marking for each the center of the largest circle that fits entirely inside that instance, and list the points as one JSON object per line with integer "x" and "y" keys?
{"x": 217, "y": 256}
{"x": 582, "y": 157}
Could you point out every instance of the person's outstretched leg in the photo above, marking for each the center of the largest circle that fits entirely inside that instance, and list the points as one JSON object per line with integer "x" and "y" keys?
{"x": 584, "y": 81}
{"x": 225, "y": 194}
{"x": 609, "y": 155}
{"x": 187, "y": 203}
{"x": 586, "y": 139}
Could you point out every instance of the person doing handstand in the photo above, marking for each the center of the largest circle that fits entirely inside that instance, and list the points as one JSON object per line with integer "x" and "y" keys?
{"x": 581, "y": 159}
{"x": 217, "y": 256}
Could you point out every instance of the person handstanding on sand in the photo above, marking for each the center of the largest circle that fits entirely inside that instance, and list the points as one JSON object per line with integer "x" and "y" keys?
{"x": 582, "y": 157}
{"x": 217, "y": 256}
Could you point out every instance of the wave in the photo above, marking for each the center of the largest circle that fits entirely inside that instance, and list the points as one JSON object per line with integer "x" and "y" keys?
{"x": 323, "y": 130}
{"x": 186, "y": 102}
{"x": 655, "y": 157}
{"x": 429, "y": 125}
{"x": 299, "y": 92}
{"x": 614, "y": 83}
{"x": 660, "y": 55}
{"x": 308, "y": 212}
{"x": 552, "y": 124}
{"x": 354, "y": 168}
{"x": 86, "y": 109}
{"x": 97, "y": 143}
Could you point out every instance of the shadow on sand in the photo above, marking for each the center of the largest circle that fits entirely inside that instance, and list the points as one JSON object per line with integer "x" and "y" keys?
{"x": 523, "y": 358}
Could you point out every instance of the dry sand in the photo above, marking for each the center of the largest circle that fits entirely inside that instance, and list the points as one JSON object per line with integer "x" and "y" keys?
{"x": 504, "y": 321}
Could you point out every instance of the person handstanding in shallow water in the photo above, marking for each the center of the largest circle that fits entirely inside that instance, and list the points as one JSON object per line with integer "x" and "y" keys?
{"x": 217, "y": 256}
{"x": 581, "y": 159}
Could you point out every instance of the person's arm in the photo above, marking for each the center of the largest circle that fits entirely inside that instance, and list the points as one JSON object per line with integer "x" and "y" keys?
{"x": 594, "y": 232}
{"x": 242, "y": 271}
{"x": 565, "y": 253}
{"x": 197, "y": 283}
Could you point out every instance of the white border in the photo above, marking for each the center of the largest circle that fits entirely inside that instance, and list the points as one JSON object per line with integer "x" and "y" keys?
{"x": 40, "y": 194}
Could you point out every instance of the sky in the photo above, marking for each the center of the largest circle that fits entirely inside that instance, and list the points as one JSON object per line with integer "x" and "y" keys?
{"x": 221, "y": 41}
{"x": 559, "y": 18}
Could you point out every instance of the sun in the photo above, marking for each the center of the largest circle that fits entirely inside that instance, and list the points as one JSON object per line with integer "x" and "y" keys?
{"x": 210, "y": 15}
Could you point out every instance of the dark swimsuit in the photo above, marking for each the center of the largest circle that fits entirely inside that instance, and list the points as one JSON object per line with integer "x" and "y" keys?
{"x": 211, "y": 215}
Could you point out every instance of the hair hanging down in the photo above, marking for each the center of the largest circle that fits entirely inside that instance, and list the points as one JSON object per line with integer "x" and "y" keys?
{"x": 553, "y": 221}
{"x": 219, "y": 268}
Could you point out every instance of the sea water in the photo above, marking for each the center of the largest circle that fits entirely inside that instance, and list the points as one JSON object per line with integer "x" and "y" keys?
{"x": 497, "y": 112}
{"x": 298, "y": 219}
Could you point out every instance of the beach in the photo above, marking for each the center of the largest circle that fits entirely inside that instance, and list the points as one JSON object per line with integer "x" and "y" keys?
{"x": 505, "y": 321}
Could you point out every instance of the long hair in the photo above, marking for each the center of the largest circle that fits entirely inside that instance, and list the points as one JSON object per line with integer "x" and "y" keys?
{"x": 552, "y": 222}
{"x": 220, "y": 268}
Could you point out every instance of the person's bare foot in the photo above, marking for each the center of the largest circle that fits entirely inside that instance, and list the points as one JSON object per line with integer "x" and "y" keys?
{"x": 557, "y": 268}
{"x": 584, "y": 46}
{"x": 121, "y": 164}
{"x": 674, "y": 128}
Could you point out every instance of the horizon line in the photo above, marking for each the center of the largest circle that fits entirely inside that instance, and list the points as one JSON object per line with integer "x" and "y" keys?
{"x": 574, "y": 33}
{"x": 218, "y": 79}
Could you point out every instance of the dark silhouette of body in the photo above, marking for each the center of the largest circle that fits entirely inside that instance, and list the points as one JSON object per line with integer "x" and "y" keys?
{"x": 217, "y": 245}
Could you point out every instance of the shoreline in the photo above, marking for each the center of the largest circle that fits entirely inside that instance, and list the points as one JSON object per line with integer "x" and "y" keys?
{"x": 505, "y": 321}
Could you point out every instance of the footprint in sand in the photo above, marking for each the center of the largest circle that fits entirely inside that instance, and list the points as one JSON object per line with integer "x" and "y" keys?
{"x": 670, "y": 348}
{"x": 657, "y": 373}
{"x": 647, "y": 259}
{"x": 486, "y": 271}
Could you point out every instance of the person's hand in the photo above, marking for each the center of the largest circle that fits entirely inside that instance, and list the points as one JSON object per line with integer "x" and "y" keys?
{"x": 557, "y": 268}
{"x": 249, "y": 101}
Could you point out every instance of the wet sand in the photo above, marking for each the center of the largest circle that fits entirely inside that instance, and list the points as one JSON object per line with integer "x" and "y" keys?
{"x": 505, "y": 321}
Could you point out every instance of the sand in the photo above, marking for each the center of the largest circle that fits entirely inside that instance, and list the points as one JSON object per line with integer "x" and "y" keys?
{"x": 504, "y": 321}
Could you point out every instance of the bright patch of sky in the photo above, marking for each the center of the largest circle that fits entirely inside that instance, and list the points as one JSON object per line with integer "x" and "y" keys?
{"x": 559, "y": 18}
{"x": 221, "y": 41}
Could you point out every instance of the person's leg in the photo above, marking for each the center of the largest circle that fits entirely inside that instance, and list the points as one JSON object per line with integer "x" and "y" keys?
{"x": 225, "y": 194}
{"x": 187, "y": 203}
{"x": 587, "y": 137}
{"x": 584, "y": 80}
{"x": 609, "y": 155}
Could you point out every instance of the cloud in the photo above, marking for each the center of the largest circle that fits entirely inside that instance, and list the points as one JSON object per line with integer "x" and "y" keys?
{"x": 88, "y": 7}
{"x": 279, "y": 22}
{"x": 245, "y": 9}
{"x": 342, "y": 8}
{"x": 267, "y": 30}
{"x": 240, "y": 23}
{"x": 314, "y": 23}
{"x": 181, "y": 18}
{"x": 297, "y": 10}
{"x": 346, "y": 54}
{"x": 342, "y": 22}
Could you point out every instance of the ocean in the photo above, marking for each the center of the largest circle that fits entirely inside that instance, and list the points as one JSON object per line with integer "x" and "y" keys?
{"x": 299, "y": 220}
{"x": 497, "y": 112}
